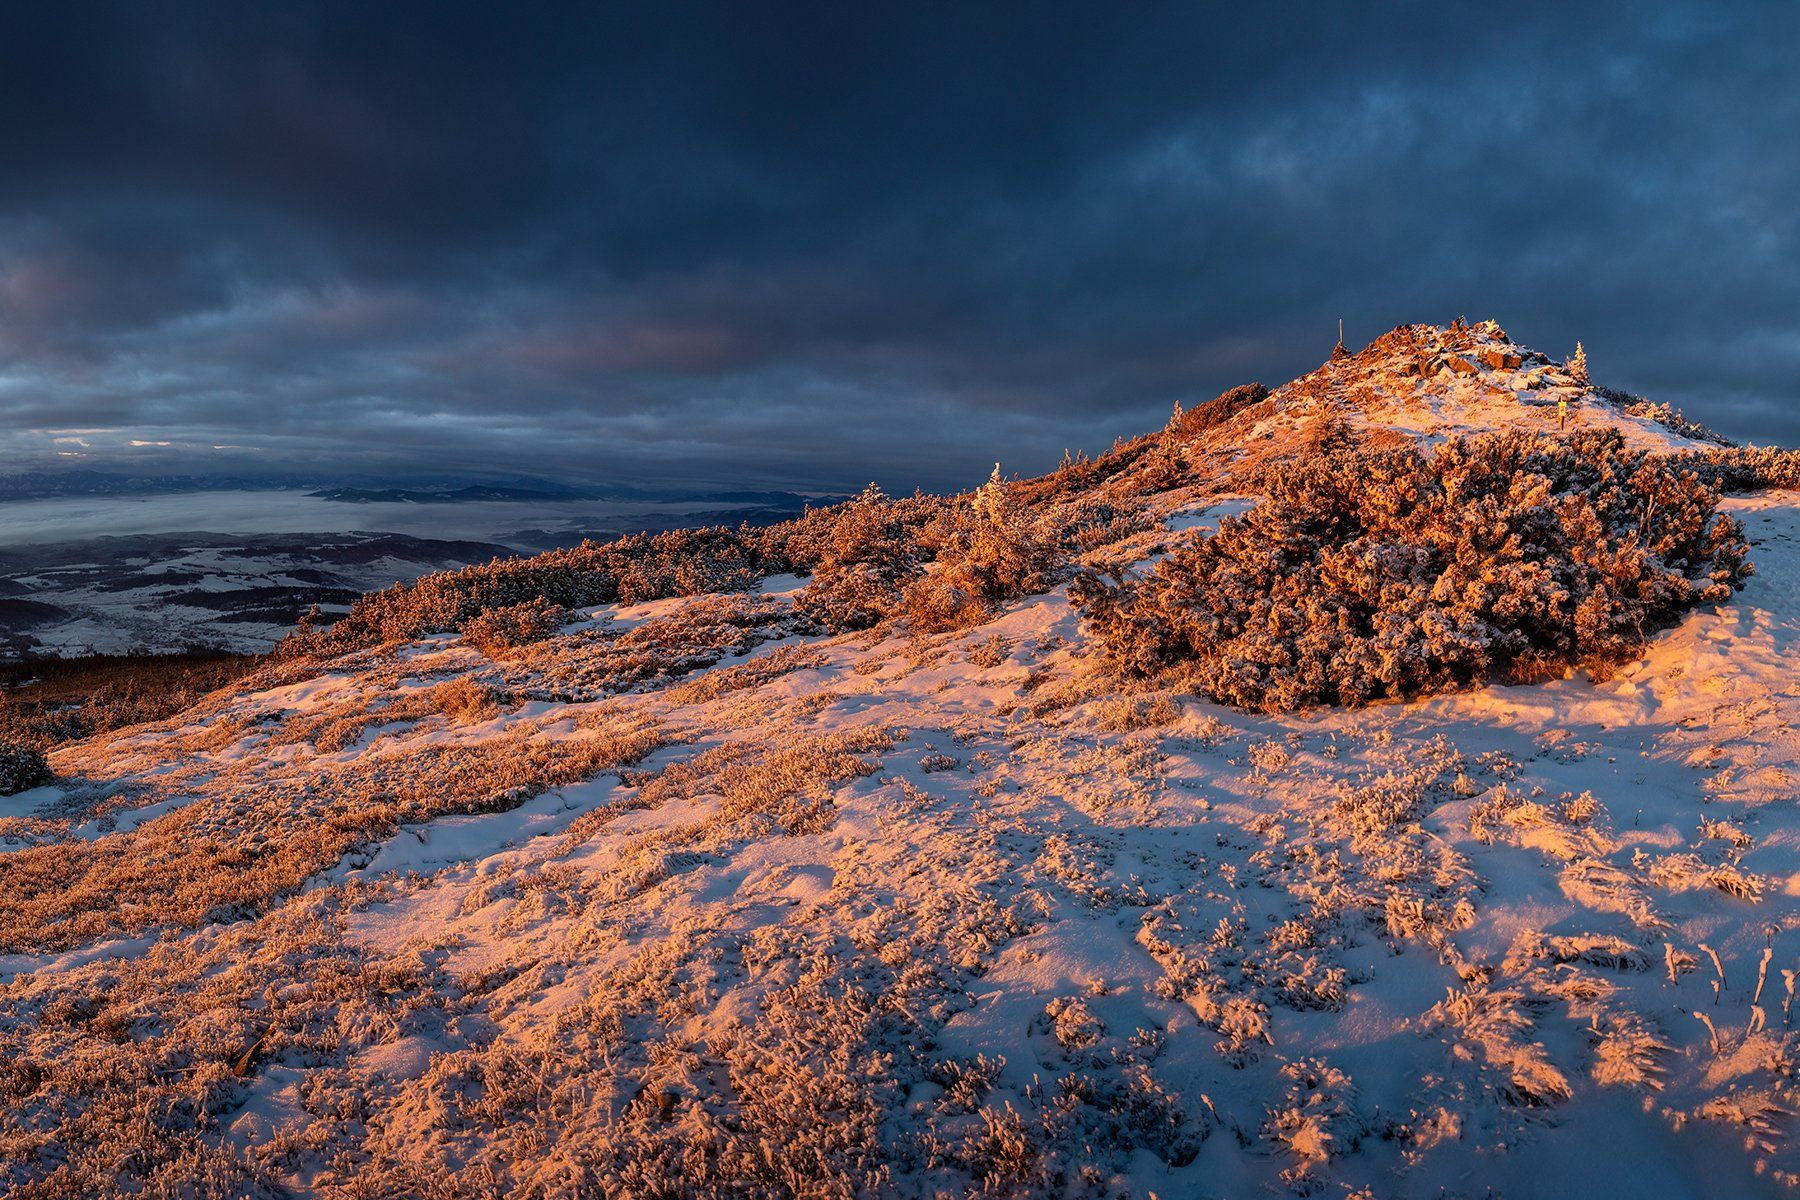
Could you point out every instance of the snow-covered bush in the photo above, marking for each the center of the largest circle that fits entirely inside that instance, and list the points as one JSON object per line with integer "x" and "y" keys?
{"x": 22, "y": 767}
{"x": 864, "y": 565}
{"x": 1321, "y": 1116}
{"x": 996, "y": 552}
{"x": 644, "y": 566}
{"x": 1220, "y": 409}
{"x": 1092, "y": 524}
{"x": 1373, "y": 574}
{"x": 1668, "y": 416}
{"x": 1748, "y": 468}
{"x": 638, "y": 567}
{"x": 502, "y": 630}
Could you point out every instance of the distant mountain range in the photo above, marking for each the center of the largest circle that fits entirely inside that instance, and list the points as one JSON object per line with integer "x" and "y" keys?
{"x": 77, "y": 482}
{"x": 45, "y": 485}
{"x": 556, "y": 493}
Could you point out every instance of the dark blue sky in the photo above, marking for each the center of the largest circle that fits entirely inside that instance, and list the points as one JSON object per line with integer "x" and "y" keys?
{"x": 798, "y": 244}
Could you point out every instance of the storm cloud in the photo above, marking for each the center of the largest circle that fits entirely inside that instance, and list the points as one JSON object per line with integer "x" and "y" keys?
{"x": 811, "y": 245}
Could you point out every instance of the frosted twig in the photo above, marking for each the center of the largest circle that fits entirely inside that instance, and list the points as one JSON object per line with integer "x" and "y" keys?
{"x": 1717, "y": 966}
{"x": 1762, "y": 974}
{"x": 1710, "y": 1028}
{"x": 1787, "y": 1004}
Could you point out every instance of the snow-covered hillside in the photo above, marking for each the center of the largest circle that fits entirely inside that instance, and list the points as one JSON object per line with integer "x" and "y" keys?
{"x": 1425, "y": 383}
{"x": 692, "y": 898}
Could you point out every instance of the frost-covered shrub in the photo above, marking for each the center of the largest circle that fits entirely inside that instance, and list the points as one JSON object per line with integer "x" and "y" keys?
{"x": 863, "y": 566}
{"x": 1666, "y": 415}
{"x": 1373, "y": 574}
{"x": 502, "y": 630}
{"x": 1321, "y": 1117}
{"x": 1089, "y": 523}
{"x": 1747, "y": 468}
{"x": 628, "y": 570}
{"x": 463, "y": 699}
{"x": 22, "y": 767}
{"x": 1219, "y": 409}
{"x": 995, "y": 553}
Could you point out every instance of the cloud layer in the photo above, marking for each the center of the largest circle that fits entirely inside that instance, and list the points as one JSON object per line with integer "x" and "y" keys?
{"x": 819, "y": 244}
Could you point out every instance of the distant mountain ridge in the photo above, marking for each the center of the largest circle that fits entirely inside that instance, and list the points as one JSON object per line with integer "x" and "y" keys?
{"x": 555, "y": 493}
{"x": 84, "y": 481}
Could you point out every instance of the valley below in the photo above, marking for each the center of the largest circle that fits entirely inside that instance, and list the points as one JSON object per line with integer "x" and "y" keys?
{"x": 231, "y": 572}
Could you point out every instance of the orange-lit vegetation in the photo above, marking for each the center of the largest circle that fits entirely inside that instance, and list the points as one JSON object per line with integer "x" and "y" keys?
{"x": 247, "y": 841}
{"x": 854, "y": 856}
{"x": 1369, "y": 575}
{"x": 56, "y": 700}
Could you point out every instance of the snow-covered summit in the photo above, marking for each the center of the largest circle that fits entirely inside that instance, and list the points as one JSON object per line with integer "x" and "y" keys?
{"x": 1431, "y": 382}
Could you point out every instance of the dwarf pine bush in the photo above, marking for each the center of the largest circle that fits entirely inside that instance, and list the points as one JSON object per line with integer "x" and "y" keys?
{"x": 865, "y": 545}
{"x": 638, "y": 567}
{"x": 1220, "y": 409}
{"x": 1370, "y": 575}
{"x": 864, "y": 565}
{"x": 995, "y": 552}
{"x": 22, "y": 767}
{"x": 502, "y": 630}
{"x": 1747, "y": 468}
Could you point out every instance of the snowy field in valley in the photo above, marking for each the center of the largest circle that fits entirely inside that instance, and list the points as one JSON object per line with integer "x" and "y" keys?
{"x": 235, "y": 570}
